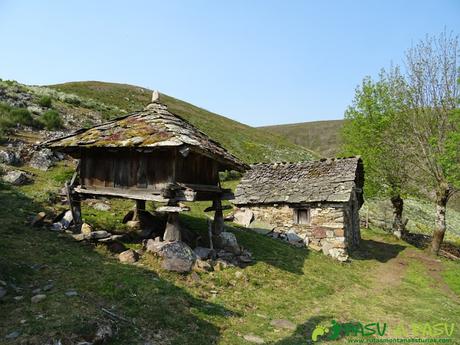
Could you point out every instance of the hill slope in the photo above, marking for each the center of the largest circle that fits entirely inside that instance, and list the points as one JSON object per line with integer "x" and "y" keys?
{"x": 248, "y": 143}
{"x": 322, "y": 137}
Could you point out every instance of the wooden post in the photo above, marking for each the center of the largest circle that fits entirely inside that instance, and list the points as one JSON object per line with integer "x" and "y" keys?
{"x": 218, "y": 223}
{"x": 75, "y": 206}
{"x": 140, "y": 206}
{"x": 172, "y": 231}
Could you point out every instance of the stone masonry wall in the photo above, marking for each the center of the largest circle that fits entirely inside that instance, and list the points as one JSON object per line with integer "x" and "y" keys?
{"x": 326, "y": 231}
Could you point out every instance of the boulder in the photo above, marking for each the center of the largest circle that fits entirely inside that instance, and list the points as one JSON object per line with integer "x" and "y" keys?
{"x": 227, "y": 241}
{"x": 99, "y": 234}
{"x": 253, "y": 339}
{"x": 17, "y": 178}
{"x": 9, "y": 157}
{"x": 292, "y": 237}
{"x": 177, "y": 256}
{"x": 128, "y": 256}
{"x": 243, "y": 217}
{"x": 86, "y": 229}
{"x": 63, "y": 221}
{"x": 202, "y": 265}
{"x": 43, "y": 159}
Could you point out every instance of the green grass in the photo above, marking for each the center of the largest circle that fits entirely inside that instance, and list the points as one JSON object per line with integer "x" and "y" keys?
{"x": 248, "y": 143}
{"x": 302, "y": 286}
{"x": 322, "y": 137}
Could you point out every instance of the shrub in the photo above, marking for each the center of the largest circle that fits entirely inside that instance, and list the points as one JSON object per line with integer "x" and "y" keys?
{"x": 45, "y": 101}
{"x": 229, "y": 175}
{"x": 51, "y": 120}
{"x": 22, "y": 116}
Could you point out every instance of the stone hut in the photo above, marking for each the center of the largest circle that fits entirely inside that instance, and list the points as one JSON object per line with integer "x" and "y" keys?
{"x": 315, "y": 203}
{"x": 149, "y": 155}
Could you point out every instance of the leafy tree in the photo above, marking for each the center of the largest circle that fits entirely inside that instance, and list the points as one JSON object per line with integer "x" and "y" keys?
{"x": 371, "y": 131}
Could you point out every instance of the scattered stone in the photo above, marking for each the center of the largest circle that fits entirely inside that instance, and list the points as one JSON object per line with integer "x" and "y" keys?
{"x": 67, "y": 219}
{"x": 293, "y": 238}
{"x": 220, "y": 265}
{"x": 100, "y": 206}
{"x": 38, "y": 298}
{"x": 71, "y": 293}
{"x": 48, "y": 287}
{"x": 177, "y": 256}
{"x": 227, "y": 241}
{"x": 283, "y": 324}
{"x": 103, "y": 334}
{"x": 202, "y": 252}
{"x": 9, "y": 157}
{"x": 128, "y": 256}
{"x": 245, "y": 258}
{"x": 243, "y": 217}
{"x": 17, "y": 178}
{"x": 253, "y": 339}
{"x": 238, "y": 274}
{"x": 78, "y": 237}
{"x": 86, "y": 229}
{"x": 18, "y": 298}
{"x": 2, "y": 292}
{"x": 195, "y": 277}
{"x": 36, "y": 291}
{"x": 13, "y": 335}
{"x": 202, "y": 265}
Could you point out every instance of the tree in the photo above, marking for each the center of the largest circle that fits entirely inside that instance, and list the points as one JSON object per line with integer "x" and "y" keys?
{"x": 431, "y": 122}
{"x": 371, "y": 130}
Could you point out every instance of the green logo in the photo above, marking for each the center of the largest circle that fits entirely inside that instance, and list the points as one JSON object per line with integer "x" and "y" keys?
{"x": 319, "y": 331}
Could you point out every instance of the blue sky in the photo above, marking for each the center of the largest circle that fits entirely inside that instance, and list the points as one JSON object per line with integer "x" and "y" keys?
{"x": 258, "y": 62}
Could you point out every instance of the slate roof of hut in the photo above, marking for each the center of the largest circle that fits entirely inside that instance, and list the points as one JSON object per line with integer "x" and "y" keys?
{"x": 152, "y": 127}
{"x": 326, "y": 180}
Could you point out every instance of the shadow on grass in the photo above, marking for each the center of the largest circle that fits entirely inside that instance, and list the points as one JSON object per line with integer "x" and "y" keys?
{"x": 374, "y": 250}
{"x": 271, "y": 251}
{"x": 147, "y": 305}
{"x": 303, "y": 333}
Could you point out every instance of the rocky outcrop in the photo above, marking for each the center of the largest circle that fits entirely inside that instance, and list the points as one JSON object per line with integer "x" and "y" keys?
{"x": 17, "y": 178}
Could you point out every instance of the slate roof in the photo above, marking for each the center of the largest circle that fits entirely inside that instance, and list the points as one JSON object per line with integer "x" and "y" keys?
{"x": 153, "y": 127}
{"x": 326, "y": 180}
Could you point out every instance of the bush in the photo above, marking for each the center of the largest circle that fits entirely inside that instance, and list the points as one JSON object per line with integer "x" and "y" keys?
{"x": 22, "y": 116}
{"x": 51, "y": 120}
{"x": 229, "y": 175}
{"x": 45, "y": 101}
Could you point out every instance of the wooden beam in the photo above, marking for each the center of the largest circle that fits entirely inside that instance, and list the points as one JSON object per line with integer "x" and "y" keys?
{"x": 119, "y": 193}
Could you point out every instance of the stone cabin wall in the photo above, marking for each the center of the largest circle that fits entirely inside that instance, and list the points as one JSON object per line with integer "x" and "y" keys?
{"x": 332, "y": 228}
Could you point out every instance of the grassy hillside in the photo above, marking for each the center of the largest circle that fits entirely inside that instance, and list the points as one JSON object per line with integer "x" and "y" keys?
{"x": 322, "y": 137}
{"x": 386, "y": 281}
{"x": 248, "y": 143}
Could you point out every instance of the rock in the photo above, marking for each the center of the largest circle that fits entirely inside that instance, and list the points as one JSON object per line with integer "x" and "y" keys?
{"x": 243, "y": 217}
{"x": 253, "y": 339}
{"x": 2, "y": 292}
{"x": 13, "y": 335}
{"x": 116, "y": 247}
{"x": 292, "y": 237}
{"x": 71, "y": 293}
{"x": 238, "y": 274}
{"x": 17, "y": 178}
{"x": 202, "y": 266}
{"x": 155, "y": 245}
{"x": 227, "y": 241}
{"x": 67, "y": 219}
{"x": 103, "y": 334}
{"x": 220, "y": 265}
{"x": 283, "y": 324}
{"x": 86, "y": 229}
{"x": 43, "y": 159}
{"x": 177, "y": 256}
{"x": 99, "y": 234}
{"x": 245, "y": 258}
{"x": 38, "y": 220}
{"x": 38, "y": 298}
{"x": 224, "y": 255}
{"x": 18, "y": 298}
{"x": 133, "y": 224}
{"x": 202, "y": 252}
{"x": 100, "y": 206}
{"x": 128, "y": 256}
{"x": 195, "y": 277}
{"x": 78, "y": 237}
{"x": 9, "y": 157}
{"x": 36, "y": 291}
{"x": 48, "y": 287}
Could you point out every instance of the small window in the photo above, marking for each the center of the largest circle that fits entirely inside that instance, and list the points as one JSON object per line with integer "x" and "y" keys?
{"x": 302, "y": 216}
